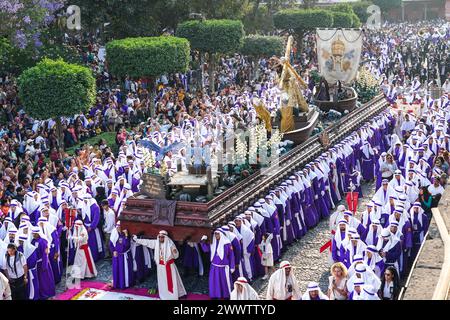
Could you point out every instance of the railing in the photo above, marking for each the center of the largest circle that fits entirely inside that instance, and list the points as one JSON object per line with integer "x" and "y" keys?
{"x": 441, "y": 290}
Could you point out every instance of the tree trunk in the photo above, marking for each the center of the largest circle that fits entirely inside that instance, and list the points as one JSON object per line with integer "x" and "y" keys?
{"x": 255, "y": 10}
{"x": 202, "y": 64}
{"x": 152, "y": 87}
{"x": 211, "y": 67}
{"x": 298, "y": 37}
{"x": 59, "y": 133}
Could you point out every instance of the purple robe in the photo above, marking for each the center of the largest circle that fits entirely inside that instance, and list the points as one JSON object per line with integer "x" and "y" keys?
{"x": 44, "y": 269}
{"x": 191, "y": 257}
{"x": 118, "y": 263}
{"x": 338, "y": 254}
{"x": 142, "y": 271}
{"x": 320, "y": 200}
{"x": 57, "y": 265}
{"x": 367, "y": 167}
{"x": 93, "y": 224}
{"x": 418, "y": 229}
{"x": 220, "y": 285}
{"x": 309, "y": 208}
{"x": 32, "y": 285}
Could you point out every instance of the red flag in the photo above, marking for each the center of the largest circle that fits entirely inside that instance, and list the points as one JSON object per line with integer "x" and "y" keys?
{"x": 327, "y": 245}
{"x": 352, "y": 201}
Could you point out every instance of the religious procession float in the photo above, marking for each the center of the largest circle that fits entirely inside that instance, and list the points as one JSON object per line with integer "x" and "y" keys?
{"x": 208, "y": 180}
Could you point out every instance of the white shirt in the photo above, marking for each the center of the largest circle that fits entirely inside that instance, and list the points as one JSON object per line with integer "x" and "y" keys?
{"x": 435, "y": 190}
{"x": 110, "y": 220}
{"x": 20, "y": 262}
{"x": 387, "y": 293}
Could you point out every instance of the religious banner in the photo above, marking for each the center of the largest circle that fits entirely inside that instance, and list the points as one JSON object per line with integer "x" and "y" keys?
{"x": 339, "y": 52}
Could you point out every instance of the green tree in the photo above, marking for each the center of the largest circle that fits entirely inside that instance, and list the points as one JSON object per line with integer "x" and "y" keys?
{"x": 342, "y": 19}
{"x": 301, "y": 21}
{"x": 55, "y": 89}
{"x": 213, "y": 37}
{"x": 360, "y": 9}
{"x": 14, "y": 60}
{"x": 140, "y": 19}
{"x": 220, "y": 9}
{"x": 386, "y": 5}
{"x": 147, "y": 57}
{"x": 262, "y": 46}
{"x": 344, "y": 16}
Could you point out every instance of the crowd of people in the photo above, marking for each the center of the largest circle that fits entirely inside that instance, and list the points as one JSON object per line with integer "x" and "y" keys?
{"x": 56, "y": 207}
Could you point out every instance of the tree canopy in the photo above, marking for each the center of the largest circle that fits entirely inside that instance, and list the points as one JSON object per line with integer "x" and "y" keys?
{"x": 213, "y": 36}
{"x": 148, "y": 56}
{"x": 258, "y": 46}
{"x": 342, "y": 20}
{"x": 54, "y": 88}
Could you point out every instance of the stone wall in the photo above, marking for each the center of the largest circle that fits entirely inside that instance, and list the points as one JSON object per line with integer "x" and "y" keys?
{"x": 425, "y": 275}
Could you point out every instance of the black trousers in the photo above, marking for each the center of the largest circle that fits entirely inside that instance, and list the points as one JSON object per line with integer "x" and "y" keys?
{"x": 18, "y": 289}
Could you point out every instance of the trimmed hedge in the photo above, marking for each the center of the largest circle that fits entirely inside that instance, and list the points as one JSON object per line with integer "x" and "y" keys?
{"x": 147, "y": 56}
{"x": 299, "y": 19}
{"x": 213, "y": 36}
{"x": 54, "y": 88}
{"x": 267, "y": 46}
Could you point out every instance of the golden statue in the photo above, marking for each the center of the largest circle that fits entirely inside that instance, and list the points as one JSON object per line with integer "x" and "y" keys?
{"x": 290, "y": 83}
{"x": 262, "y": 113}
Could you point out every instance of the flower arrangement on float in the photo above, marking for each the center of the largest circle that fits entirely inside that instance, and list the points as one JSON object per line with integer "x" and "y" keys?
{"x": 366, "y": 85}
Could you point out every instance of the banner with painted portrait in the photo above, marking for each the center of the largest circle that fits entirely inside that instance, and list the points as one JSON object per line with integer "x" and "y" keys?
{"x": 339, "y": 53}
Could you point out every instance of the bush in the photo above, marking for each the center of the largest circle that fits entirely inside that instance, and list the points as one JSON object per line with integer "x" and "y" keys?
{"x": 54, "y": 88}
{"x": 305, "y": 20}
{"x": 147, "y": 56}
{"x": 267, "y": 46}
{"x": 213, "y": 36}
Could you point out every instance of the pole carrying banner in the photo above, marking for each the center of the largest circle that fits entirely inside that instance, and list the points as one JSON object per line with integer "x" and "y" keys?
{"x": 339, "y": 53}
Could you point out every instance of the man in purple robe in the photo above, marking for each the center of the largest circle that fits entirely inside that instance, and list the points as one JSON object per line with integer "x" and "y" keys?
{"x": 307, "y": 200}
{"x": 222, "y": 265}
{"x": 91, "y": 216}
{"x": 122, "y": 261}
{"x": 419, "y": 224}
{"x": 338, "y": 242}
{"x": 248, "y": 246}
{"x": 275, "y": 221}
{"x": 367, "y": 162}
{"x": 390, "y": 248}
{"x": 43, "y": 266}
{"x": 53, "y": 238}
{"x": 235, "y": 240}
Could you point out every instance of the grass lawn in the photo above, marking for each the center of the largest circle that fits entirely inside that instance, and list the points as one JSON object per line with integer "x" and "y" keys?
{"x": 110, "y": 138}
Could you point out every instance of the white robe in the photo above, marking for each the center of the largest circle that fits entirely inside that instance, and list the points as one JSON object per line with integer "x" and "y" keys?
{"x": 169, "y": 252}
{"x": 80, "y": 268}
{"x": 276, "y": 288}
